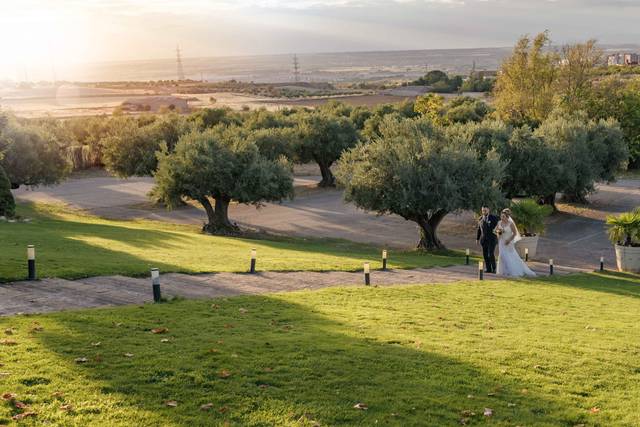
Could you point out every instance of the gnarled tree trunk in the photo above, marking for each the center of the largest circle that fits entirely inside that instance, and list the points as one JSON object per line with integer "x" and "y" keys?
{"x": 429, "y": 231}
{"x": 218, "y": 217}
{"x": 328, "y": 180}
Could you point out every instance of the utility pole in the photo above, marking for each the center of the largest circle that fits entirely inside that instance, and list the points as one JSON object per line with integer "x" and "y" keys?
{"x": 296, "y": 68}
{"x": 179, "y": 64}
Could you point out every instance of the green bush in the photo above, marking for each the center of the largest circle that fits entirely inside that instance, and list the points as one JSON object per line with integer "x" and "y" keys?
{"x": 529, "y": 216}
{"x": 624, "y": 229}
{"x": 7, "y": 203}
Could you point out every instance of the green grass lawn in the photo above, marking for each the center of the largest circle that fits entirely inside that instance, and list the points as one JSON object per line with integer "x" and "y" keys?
{"x": 556, "y": 352}
{"x": 71, "y": 245}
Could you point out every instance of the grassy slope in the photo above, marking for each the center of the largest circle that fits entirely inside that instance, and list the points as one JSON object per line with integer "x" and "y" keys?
{"x": 72, "y": 245}
{"x": 542, "y": 352}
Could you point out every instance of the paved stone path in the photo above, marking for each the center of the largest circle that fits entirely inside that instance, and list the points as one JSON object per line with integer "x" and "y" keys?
{"x": 58, "y": 294}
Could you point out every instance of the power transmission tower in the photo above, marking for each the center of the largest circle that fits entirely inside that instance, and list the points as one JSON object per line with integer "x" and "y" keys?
{"x": 296, "y": 68}
{"x": 179, "y": 64}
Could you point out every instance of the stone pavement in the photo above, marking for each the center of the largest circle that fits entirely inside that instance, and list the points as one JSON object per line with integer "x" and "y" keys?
{"x": 49, "y": 295}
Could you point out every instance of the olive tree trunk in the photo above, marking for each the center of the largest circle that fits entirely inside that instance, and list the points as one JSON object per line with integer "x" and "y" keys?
{"x": 328, "y": 180}
{"x": 429, "y": 231}
{"x": 218, "y": 217}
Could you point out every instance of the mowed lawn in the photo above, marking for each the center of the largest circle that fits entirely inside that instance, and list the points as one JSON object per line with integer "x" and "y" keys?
{"x": 70, "y": 244}
{"x": 546, "y": 352}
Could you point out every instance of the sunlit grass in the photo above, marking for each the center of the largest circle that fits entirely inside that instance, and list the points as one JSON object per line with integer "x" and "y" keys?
{"x": 550, "y": 352}
{"x": 70, "y": 244}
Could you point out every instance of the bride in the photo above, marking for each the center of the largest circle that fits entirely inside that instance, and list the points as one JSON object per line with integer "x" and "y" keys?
{"x": 509, "y": 262}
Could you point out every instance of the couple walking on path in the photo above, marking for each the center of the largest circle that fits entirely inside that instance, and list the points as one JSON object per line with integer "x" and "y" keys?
{"x": 502, "y": 232}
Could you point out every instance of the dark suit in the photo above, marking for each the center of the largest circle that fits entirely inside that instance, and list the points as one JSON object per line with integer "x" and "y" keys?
{"x": 488, "y": 240}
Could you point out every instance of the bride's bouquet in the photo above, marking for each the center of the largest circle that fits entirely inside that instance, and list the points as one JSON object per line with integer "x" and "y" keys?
{"x": 498, "y": 231}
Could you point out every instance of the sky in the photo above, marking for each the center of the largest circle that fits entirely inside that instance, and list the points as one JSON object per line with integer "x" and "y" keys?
{"x": 37, "y": 35}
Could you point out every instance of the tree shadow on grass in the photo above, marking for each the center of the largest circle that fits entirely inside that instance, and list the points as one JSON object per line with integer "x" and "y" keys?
{"x": 265, "y": 361}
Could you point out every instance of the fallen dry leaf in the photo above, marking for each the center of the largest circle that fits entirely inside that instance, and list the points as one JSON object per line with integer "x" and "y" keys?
{"x": 264, "y": 386}
{"x": 159, "y": 330}
{"x": 206, "y": 406}
{"x": 511, "y": 405}
{"x": 81, "y": 360}
{"x": 228, "y": 326}
{"x": 223, "y": 409}
{"x": 66, "y": 407}
{"x": 23, "y": 415}
{"x": 361, "y": 406}
{"x": 96, "y": 344}
{"x": 215, "y": 306}
{"x": 488, "y": 412}
{"x": 268, "y": 369}
{"x": 128, "y": 355}
{"x": 171, "y": 403}
{"x": 8, "y": 396}
{"x": 57, "y": 394}
{"x": 224, "y": 374}
{"x": 220, "y": 342}
{"x": 8, "y": 342}
{"x": 594, "y": 410}
{"x": 242, "y": 310}
{"x": 36, "y": 327}
{"x": 20, "y": 405}
{"x": 164, "y": 340}
{"x": 468, "y": 413}
{"x": 8, "y": 331}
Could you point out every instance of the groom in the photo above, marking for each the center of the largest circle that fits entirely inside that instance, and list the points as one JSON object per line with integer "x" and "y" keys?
{"x": 487, "y": 238}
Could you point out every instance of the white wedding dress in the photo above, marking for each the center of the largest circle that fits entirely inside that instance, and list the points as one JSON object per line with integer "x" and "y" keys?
{"x": 509, "y": 262}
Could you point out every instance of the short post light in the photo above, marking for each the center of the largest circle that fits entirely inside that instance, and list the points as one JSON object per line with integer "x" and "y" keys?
{"x": 526, "y": 254}
{"x": 254, "y": 254}
{"x": 367, "y": 274}
{"x": 384, "y": 260}
{"x": 31, "y": 262}
{"x": 481, "y": 270}
{"x": 155, "y": 283}
{"x": 467, "y": 253}
{"x": 601, "y": 263}
{"x": 551, "y": 267}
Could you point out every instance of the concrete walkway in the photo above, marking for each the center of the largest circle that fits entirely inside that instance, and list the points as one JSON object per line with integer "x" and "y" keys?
{"x": 49, "y": 295}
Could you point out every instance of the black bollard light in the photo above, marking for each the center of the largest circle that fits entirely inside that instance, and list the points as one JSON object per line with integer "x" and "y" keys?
{"x": 384, "y": 260}
{"x": 601, "y": 263}
{"x": 480, "y": 270}
{"x": 155, "y": 282}
{"x": 526, "y": 254}
{"x": 367, "y": 274}
{"x": 467, "y": 253}
{"x": 31, "y": 262}
{"x": 551, "y": 267}
{"x": 254, "y": 254}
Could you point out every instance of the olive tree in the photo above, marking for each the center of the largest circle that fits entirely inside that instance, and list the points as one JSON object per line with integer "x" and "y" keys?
{"x": 31, "y": 156}
{"x": 415, "y": 172}
{"x": 322, "y": 139}
{"x": 222, "y": 165}
{"x": 587, "y": 151}
{"x": 532, "y": 167}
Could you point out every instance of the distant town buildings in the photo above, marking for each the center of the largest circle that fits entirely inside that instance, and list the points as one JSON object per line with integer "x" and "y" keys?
{"x": 622, "y": 59}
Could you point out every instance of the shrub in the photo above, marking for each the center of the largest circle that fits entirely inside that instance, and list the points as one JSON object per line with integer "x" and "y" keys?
{"x": 624, "y": 229}
{"x": 529, "y": 216}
